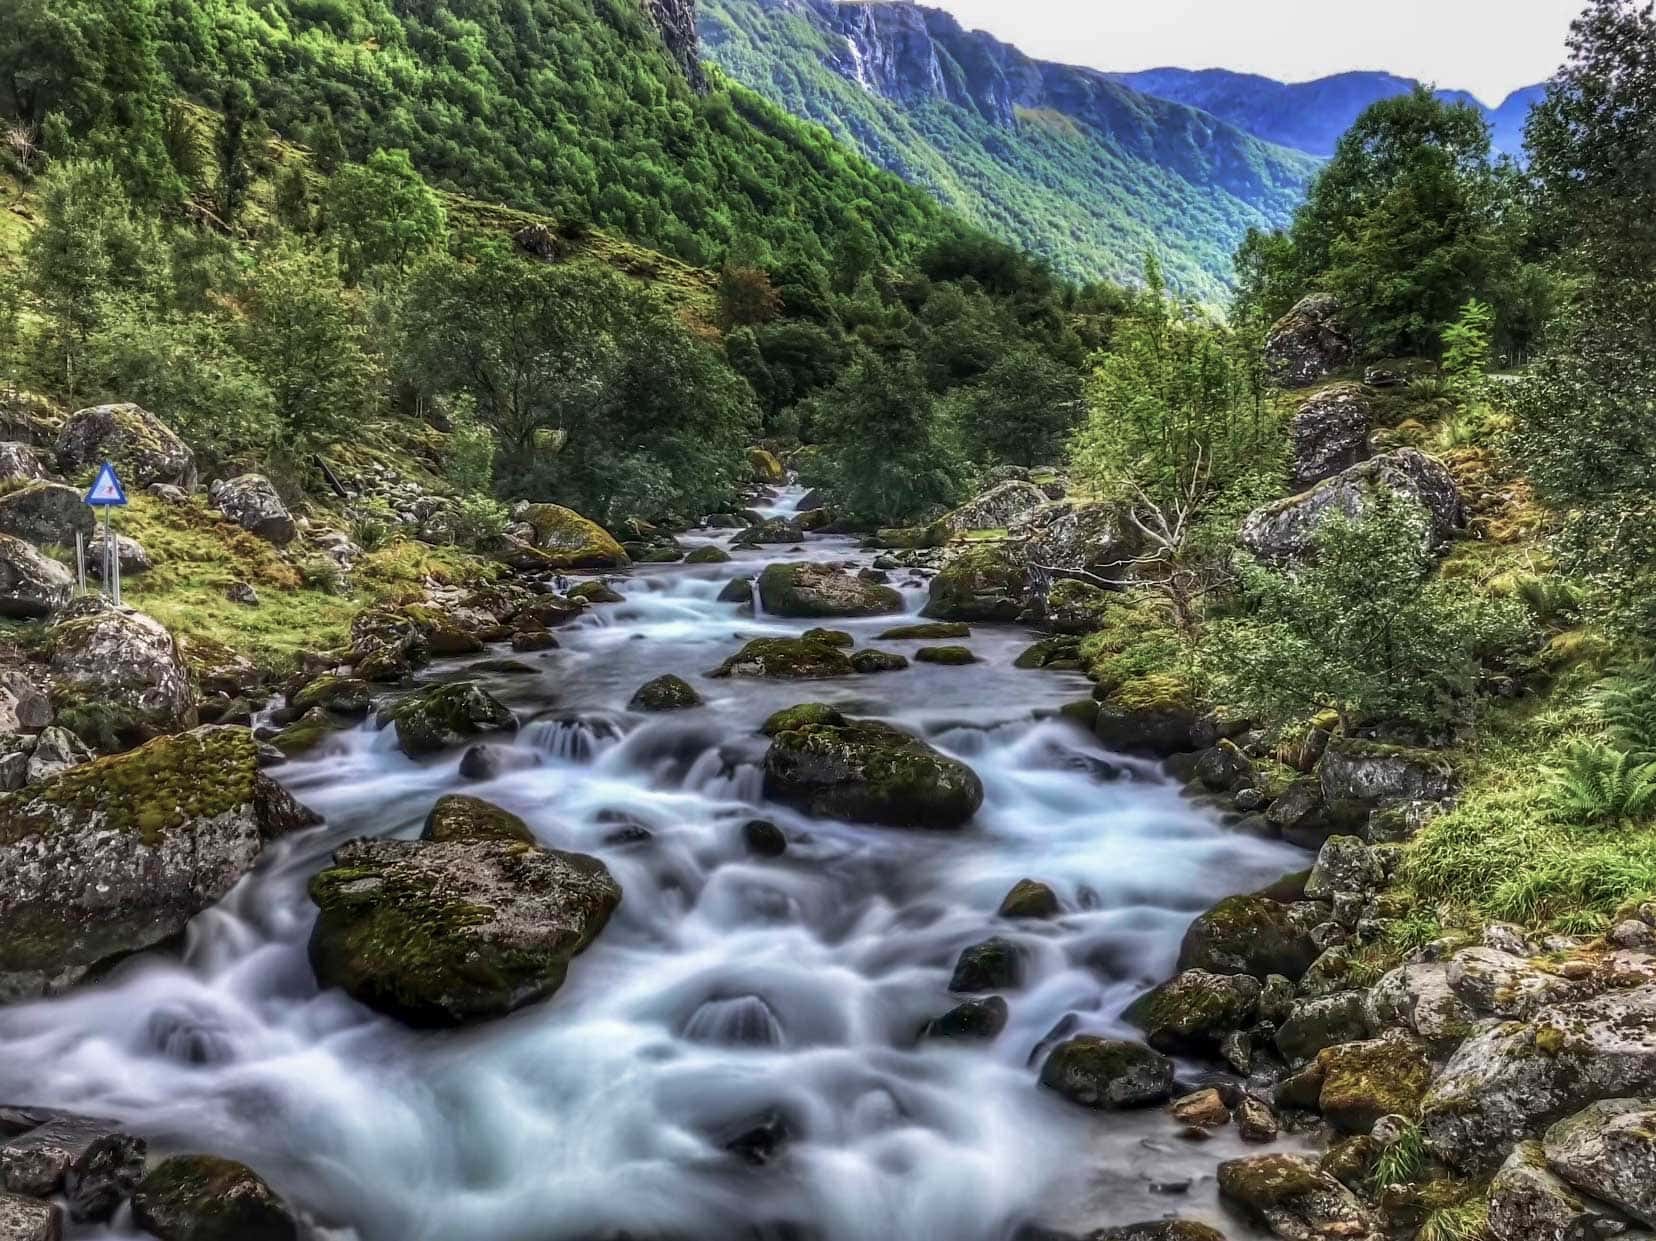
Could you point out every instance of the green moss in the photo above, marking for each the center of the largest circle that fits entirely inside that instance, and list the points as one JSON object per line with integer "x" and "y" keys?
{"x": 458, "y": 817}
{"x": 152, "y": 790}
{"x": 829, "y": 637}
{"x": 807, "y": 713}
{"x": 934, "y": 632}
{"x": 786, "y": 659}
{"x": 571, "y": 541}
{"x": 948, "y": 655}
{"x": 1159, "y": 692}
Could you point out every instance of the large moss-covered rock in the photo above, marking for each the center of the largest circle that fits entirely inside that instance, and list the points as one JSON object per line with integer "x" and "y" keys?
{"x": 665, "y": 693}
{"x": 46, "y": 514}
{"x": 1363, "y": 1081}
{"x": 1160, "y": 1230}
{"x": 122, "y": 663}
{"x": 1108, "y": 1073}
{"x": 819, "y": 590}
{"x": 1091, "y": 536}
{"x": 995, "y": 509}
{"x": 566, "y": 540}
{"x": 786, "y": 659}
{"x": 439, "y": 933}
{"x": 448, "y": 715}
{"x": 980, "y": 584}
{"x": 1370, "y": 771}
{"x": 870, "y": 772}
{"x": 1192, "y": 1012}
{"x": 1151, "y": 715}
{"x": 114, "y": 856}
{"x": 1513, "y": 1080}
{"x": 32, "y": 586}
{"x": 20, "y": 463}
{"x": 766, "y": 468}
{"x": 1320, "y": 1021}
{"x": 205, "y": 1198}
{"x": 1295, "y": 1199}
{"x": 1288, "y": 530}
{"x": 459, "y": 817}
{"x": 1247, "y": 935}
{"x": 143, "y": 448}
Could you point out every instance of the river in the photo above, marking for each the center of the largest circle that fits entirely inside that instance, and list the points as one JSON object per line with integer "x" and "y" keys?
{"x": 727, "y": 992}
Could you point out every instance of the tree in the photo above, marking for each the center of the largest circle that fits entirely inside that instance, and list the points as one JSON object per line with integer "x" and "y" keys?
{"x": 235, "y": 173}
{"x": 1587, "y": 410}
{"x": 1174, "y": 397}
{"x": 305, "y": 341}
{"x": 746, "y": 297}
{"x": 1365, "y": 631}
{"x": 889, "y": 462}
{"x": 1022, "y": 410}
{"x": 89, "y": 248}
{"x": 382, "y": 213}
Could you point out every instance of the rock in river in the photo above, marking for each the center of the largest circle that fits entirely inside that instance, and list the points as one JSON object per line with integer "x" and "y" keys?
{"x": 817, "y": 590}
{"x": 869, "y": 772}
{"x": 448, "y": 715}
{"x": 1108, "y": 1073}
{"x": 788, "y": 659}
{"x": 116, "y": 855}
{"x": 442, "y": 932}
{"x": 1247, "y": 935}
{"x": 204, "y": 1198}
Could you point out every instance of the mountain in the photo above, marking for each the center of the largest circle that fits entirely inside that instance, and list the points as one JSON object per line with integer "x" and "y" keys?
{"x": 1064, "y": 161}
{"x": 1311, "y": 116}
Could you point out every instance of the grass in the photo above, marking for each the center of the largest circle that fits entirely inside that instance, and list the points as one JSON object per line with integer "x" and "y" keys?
{"x": 1403, "y": 1162}
{"x": 1465, "y": 1221}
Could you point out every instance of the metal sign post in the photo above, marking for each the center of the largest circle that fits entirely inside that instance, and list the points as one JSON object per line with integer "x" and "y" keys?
{"x": 106, "y": 493}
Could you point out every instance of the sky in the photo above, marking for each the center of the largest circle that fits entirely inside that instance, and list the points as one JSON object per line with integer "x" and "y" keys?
{"x": 1489, "y": 47}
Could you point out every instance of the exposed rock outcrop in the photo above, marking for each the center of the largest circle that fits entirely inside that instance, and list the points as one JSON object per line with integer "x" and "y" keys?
{"x": 1330, "y": 433}
{"x": 1309, "y": 343}
{"x": 143, "y": 449}
{"x": 251, "y": 502}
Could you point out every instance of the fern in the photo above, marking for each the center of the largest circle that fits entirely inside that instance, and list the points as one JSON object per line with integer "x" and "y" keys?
{"x": 1627, "y": 704}
{"x": 1598, "y": 783}
{"x": 1549, "y": 599}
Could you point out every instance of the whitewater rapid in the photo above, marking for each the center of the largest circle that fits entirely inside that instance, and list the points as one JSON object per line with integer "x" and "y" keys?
{"x": 777, "y": 999}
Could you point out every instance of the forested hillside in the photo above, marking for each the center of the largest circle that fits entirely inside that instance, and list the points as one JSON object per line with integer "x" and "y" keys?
{"x": 1062, "y": 161}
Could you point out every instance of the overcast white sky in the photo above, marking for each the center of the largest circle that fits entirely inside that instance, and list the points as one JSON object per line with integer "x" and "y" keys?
{"x": 1488, "y": 47}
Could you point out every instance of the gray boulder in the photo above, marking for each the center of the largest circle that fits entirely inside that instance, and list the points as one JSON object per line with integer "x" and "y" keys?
{"x": 204, "y": 1198}
{"x": 91, "y": 1162}
{"x": 804, "y": 589}
{"x": 1294, "y": 1198}
{"x": 1528, "y": 1201}
{"x": 1369, "y": 771}
{"x": 55, "y": 751}
{"x": 1330, "y": 434}
{"x": 1608, "y": 1150}
{"x": 1248, "y": 935}
{"x": 1192, "y": 1012}
{"x": 122, "y": 664}
{"x": 1501, "y": 984}
{"x": 1087, "y": 535}
{"x": 46, "y": 514}
{"x": 251, "y": 502}
{"x": 1322, "y": 1021}
{"x": 142, "y": 447}
{"x": 32, "y": 585}
{"x": 1309, "y": 343}
{"x": 19, "y": 463}
{"x": 29, "y": 1219}
{"x": 995, "y": 509}
{"x": 1288, "y": 529}
{"x": 130, "y": 552}
{"x": 1344, "y": 865}
{"x": 1512, "y": 1081}
{"x": 1418, "y": 998}
{"x": 447, "y": 715}
{"x": 114, "y": 856}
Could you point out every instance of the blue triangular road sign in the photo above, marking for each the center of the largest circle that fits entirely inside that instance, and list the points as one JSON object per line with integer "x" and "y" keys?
{"x": 106, "y": 490}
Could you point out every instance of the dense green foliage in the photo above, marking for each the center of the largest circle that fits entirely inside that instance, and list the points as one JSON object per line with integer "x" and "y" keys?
{"x": 1410, "y": 220}
{"x": 1090, "y": 174}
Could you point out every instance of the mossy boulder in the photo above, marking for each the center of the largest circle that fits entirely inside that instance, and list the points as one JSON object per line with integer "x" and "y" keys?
{"x": 996, "y": 964}
{"x": 122, "y": 661}
{"x": 1191, "y": 1013}
{"x": 1029, "y": 898}
{"x": 448, "y": 715}
{"x": 737, "y": 590}
{"x": 948, "y": 656}
{"x": 1247, "y": 935}
{"x": 143, "y": 448}
{"x": 1294, "y": 1198}
{"x": 769, "y": 531}
{"x": 1354, "y": 770}
{"x": 980, "y": 584}
{"x": 665, "y": 693}
{"x": 871, "y": 660}
{"x": 252, "y": 502}
{"x": 1608, "y": 1150}
{"x": 1309, "y": 343}
{"x": 205, "y": 1198}
{"x": 765, "y": 467}
{"x": 934, "y": 631}
{"x": 708, "y": 555}
{"x": 1363, "y": 1081}
{"x": 1077, "y": 608}
{"x": 445, "y": 932}
{"x": 972, "y": 1019}
{"x": 566, "y": 540}
{"x": 830, "y": 637}
{"x": 1320, "y": 1021}
{"x": 815, "y": 590}
{"x": 304, "y": 734}
{"x": 596, "y": 592}
{"x": 1056, "y": 654}
{"x": 459, "y": 817}
{"x": 786, "y": 659}
{"x": 1110, "y": 1074}
{"x": 869, "y": 772}
{"x": 1160, "y": 1230}
{"x": 116, "y": 855}
{"x": 46, "y": 514}
{"x": 348, "y": 696}
{"x": 1150, "y": 715}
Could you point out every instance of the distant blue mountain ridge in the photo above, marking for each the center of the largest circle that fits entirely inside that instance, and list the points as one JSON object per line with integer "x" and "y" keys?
{"x": 1311, "y": 116}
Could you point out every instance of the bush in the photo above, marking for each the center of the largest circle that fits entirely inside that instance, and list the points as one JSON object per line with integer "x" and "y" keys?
{"x": 480, "y": 521}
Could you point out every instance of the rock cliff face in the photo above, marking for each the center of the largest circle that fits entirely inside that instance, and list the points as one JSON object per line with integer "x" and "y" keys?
{"x": 677, "y": 19}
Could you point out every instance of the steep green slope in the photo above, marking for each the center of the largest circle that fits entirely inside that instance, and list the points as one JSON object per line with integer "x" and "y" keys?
{"x": 571, "y": 107}
{"x": 1061, "y": 160}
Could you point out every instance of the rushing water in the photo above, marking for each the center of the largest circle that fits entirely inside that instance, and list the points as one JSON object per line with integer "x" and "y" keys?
{"x": 728, "y": 993}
